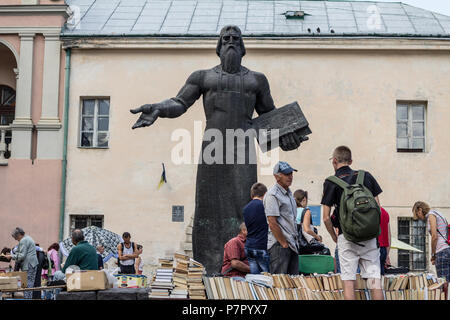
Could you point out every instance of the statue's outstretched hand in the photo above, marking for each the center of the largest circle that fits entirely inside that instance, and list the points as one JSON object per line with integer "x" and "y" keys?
{"x": 149, "y": 114}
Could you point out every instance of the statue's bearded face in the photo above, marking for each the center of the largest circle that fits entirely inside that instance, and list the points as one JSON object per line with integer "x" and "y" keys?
{"x": 231, "y": 52}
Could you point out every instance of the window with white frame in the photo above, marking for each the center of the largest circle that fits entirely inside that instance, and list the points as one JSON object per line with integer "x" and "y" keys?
{"x": 94, "y": 128}
{"x": 411, "y": 127}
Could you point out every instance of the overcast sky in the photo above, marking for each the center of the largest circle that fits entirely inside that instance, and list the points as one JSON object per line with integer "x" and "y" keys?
{"x": 438, "y": 6}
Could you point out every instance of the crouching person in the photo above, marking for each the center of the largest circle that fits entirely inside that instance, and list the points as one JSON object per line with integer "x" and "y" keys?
{"x": 235, "y": 263}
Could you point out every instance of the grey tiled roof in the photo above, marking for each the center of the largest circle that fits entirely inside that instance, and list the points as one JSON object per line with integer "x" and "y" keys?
{"x": 191, "y": 18}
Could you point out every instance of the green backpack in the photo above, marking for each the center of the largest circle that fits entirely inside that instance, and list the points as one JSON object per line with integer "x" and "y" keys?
{"x": 359, "y": 212}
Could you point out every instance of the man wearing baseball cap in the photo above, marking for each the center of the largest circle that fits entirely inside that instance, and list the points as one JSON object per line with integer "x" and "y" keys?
{"x": 281, "y": 210}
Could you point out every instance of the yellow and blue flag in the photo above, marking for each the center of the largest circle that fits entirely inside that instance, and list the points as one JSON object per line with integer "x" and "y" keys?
{"x": 163, "y": 177}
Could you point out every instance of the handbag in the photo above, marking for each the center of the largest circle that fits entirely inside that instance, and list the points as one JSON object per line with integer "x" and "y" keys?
{"x": 311, "y": 247}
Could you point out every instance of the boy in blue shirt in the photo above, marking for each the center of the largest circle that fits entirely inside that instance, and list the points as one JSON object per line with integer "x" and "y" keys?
{"x": 257, "y": 227}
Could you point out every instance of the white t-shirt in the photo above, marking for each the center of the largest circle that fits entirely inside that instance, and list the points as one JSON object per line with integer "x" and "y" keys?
{"x": 126, "y": 251}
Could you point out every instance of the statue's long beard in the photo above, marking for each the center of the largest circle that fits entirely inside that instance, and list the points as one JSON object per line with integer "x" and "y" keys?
{"x": 231, "y": 60}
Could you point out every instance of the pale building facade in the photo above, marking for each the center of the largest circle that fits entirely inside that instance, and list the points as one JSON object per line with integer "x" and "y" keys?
{"x": 385, "y": 96}
{"x": 31, "y": 105}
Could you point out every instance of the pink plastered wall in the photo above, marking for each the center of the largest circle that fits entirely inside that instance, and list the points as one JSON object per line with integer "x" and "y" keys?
{"x": 18, "y": 2}
{"x": 30, "y": 194}
{"x": 38, "y": 69}
{"x": 10, "y": 2}
{"x": 51, "y": 2}
{"x": 30, "y": 199}
{"x": 27, "y": 21}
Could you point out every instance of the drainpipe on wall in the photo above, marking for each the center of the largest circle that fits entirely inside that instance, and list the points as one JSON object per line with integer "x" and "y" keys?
{"x": 64, "y": 158}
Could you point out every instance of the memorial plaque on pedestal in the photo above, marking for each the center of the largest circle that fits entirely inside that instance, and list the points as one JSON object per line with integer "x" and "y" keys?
{"x": 177, "y": 213}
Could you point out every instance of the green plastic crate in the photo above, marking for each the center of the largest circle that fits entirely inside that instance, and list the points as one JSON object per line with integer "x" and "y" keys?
{"x": 315, "y": 264}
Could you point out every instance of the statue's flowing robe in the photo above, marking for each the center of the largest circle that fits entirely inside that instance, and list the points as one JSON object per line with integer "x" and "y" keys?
{"x": 222, "y": 189}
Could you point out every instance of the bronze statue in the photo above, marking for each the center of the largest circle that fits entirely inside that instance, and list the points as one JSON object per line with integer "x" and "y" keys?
{"x": 231, "y": 93}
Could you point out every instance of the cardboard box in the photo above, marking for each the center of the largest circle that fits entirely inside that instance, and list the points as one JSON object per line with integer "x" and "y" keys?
{"x": 22, "y": 275}
{"x": 7, "y": 283}
{"x": 86, "y": 281}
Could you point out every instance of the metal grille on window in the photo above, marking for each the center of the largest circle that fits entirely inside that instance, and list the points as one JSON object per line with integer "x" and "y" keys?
{"x": 412, "y": 232}
{"x": 418, "y": 240}
{"x": 410, "y": 127}
{"x": 94, "y": 123}
{"x": 83, "y": 221}
{"x": 403, "y": 235}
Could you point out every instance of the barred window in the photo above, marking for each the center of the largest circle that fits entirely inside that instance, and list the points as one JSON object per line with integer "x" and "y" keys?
{"x": 412, "y": 232}
{"x": 83, "y": 221}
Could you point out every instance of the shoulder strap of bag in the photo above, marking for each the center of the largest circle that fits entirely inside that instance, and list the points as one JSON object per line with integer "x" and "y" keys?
{"x": 303, "y": 215}
{"x": 341, "y": 183}
{"x": 437, "y": 228}
{"x": 118, "y": 258}
{"x": 49, "y": 270}
{"x": 360, "y": 177}
{"x": 443, "y": 219}
{"x": 132, "y": 246}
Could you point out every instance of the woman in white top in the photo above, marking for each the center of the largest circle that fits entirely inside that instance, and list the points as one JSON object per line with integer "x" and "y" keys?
{"x": 437, "y": 227}
{"x": 304, "y": 215}
{"x": 305, "y": 223}
{"x": 139, "y": 264}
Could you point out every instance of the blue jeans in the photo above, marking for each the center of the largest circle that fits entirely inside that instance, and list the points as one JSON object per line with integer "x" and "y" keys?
{"x": 31, "y": 276}
{"x": 383, "y": 256}
{"x": 336, "y": 256}
{"x": 258, "y": 260}
{"x": 443, "y": 264}
{"x": 49, "y": 293}
{"x": 59, "y": 275}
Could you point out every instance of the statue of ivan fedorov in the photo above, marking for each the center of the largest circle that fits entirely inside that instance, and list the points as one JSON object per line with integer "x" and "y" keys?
{"x": 231, "y": 93}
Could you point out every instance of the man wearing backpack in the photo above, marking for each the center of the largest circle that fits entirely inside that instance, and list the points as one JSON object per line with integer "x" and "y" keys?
{"x": 357, "y": 221}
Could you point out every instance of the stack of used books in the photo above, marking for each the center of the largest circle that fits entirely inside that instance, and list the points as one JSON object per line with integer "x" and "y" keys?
{"x": 413, "y": 286}
{"x": 228, "y": 288}
{"x": 180, "y": 275}
{"x": 195, "y": 280}
{"x": 323, "y": 287}
{"x": 162, "y": 284}
{"x": 179, "y": 293}
{"x": 316, "y": 287}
